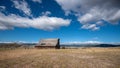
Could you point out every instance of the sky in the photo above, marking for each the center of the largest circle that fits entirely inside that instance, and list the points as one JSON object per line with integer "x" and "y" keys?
{"x": 91, "y": 21}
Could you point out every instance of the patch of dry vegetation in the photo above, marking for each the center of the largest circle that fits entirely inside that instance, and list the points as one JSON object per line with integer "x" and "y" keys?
{"x": 61, "y": 58}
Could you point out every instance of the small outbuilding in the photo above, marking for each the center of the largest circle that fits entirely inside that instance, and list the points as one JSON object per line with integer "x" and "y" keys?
{"x": 48, "y": 43}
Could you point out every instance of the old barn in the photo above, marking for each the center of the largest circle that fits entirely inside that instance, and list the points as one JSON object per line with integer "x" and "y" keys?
{"x": 48, "y": 43}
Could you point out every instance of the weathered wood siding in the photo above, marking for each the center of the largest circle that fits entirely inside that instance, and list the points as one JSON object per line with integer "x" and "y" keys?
{"x": 48, "y": 43}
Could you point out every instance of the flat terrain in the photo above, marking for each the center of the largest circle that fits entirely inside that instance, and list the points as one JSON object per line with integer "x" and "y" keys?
{"x": 61, "y": 58}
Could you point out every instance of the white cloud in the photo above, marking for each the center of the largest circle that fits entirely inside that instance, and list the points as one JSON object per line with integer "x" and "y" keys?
{"x": 93, "y": 11}
{"x": 85, "y": 42}
{"x": 22, "y": 6}
{"x": 46, "y": 13}
{"x": 90, "y": 26}
{"x": 39, "y": 1}
{"x": 2, "y": 8}
{"x": 100, "y": 23}
{"x": 18, "y": 42}
{"x": 91, "y": 42}
{"x": 42, "y": 22}
{"x": 68, "y": 5}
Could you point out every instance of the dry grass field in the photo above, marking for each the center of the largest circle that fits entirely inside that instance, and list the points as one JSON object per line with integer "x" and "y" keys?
{"x": 61, "y": 58}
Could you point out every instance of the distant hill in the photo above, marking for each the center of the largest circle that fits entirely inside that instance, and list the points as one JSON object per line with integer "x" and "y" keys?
{"x": 9, "y": 45}
{"x": 107, "y": 45}
{"x": 17, "y": 45}
{"x": 90, "y": 45}
{"x": 30, "y": 45}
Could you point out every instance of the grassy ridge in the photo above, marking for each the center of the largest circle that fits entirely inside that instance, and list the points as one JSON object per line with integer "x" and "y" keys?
{"x": 61, "y": 58}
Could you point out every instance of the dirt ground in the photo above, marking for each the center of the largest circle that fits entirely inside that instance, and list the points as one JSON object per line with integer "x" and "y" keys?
{"x": 61, "y": 58}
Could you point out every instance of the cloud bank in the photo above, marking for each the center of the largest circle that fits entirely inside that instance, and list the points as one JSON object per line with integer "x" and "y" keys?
{"x": 85, "y": 42}
{"x": 89, "y": 12}
{"x": 42, "y": 22}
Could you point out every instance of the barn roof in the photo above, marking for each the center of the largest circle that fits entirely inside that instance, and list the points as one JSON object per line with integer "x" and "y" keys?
{"x": 48, "y": 42}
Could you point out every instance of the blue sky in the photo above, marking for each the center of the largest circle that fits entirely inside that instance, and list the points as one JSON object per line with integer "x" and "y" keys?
{"x": 69, "y": 20}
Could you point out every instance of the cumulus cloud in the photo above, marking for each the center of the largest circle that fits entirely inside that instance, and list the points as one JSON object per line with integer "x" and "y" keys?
{"x": 68, "y": 5}
{"x": 90, "y": 26}
{"x": 91, "y": 42}
{"x": 42, "y": 22}
{"x": 46, "y": 13}
{"x": 37, "y": 1}
{"x": 22, "y": 6}
{"x": 85, "y": 42}
{"x": 2, "y": 8}
{"x": 92, "y": 11}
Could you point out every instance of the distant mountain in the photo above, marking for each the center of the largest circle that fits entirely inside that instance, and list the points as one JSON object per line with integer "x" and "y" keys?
{"x": 9, "y": 45}
{"x": 17, "y": 45}
{"x": 90, "y": 45}
{"x": 107, "y": 45}
{"x": 29, "y": 45}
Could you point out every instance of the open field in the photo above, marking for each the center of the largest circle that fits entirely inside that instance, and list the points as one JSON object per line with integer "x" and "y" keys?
{"x": 61, "y": 58}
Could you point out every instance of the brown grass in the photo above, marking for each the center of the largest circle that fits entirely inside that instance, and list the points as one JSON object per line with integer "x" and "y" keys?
{"x": 61, "y": 58}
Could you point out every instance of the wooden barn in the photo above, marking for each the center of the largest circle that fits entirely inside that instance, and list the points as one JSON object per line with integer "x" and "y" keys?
{"x": 48, "y": 43}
